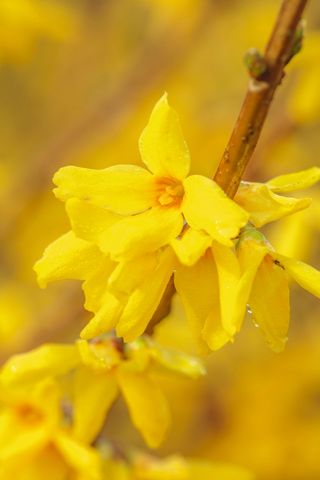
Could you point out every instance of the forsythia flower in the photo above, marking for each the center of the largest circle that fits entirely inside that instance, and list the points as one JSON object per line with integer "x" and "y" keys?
{"x": 122, "y": 295}
{"x": 37, "y": 443}
{"x": 262, "y": 277}
{"x": 129, "y": 237}
{"x": 102, "y": 368}
{"x": 147, "y": 209}
{"x": 264, "y": 204}
{"x": 216, "y": 290}
{"x": 131, "y": 214}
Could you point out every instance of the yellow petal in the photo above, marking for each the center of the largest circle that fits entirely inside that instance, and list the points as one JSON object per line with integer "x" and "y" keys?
{"x": 214, "y": 333}
{"x": 162, "y": 146}
{"x": 145, "y": 299}
{"x": 101, "y": 355}
{"x": 93, "y": 394}
{"x": 96, "y": 284}
{"x": 250, "y": 256}
{"x": 84, "y": 459}
{"x": 129, "y": 274}
{"x": 123, "y": 189}
{"x": 88, "y": 221}
{"x": 228, "y": 270}
{"x": 139, "y": 234}
{"x": 67, "y": 257}
{"x": 48, "y": 464}
{"x": 250, "y": 253}
{"x": 137, "y": 355}
{"x": 305, "y": 275}
{"x": 106, "y": 317}
{"x": 177, "y": 362}
{"x": 147, "y": 405}
{"x": 295, "y": 181}
{"x": 206, "y": 207}
{"x": 265, "y": 206}
{"x": 45, "y": 361}
{"x": 191, "y": 246}
{"x": 198, "y": 289}
{"x": 269, "y": 302}
{"x": 27, "y": 441}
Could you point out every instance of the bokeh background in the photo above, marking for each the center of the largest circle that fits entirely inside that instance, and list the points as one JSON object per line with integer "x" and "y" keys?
{"x": 78, "y": 79}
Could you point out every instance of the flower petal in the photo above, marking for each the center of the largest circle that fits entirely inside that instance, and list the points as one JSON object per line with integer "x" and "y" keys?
{"x": 177, "y": 362}
{"x": 306, "y": 276}
{"x": 295, "y": 181}
{"x": 101, "y": 354}
{"x": 48, "y": 464}
{"x": 206, "y": 207}
{"x": 65, "y": 258}
{"x": 147, "y": 405}
{"x": 228, "y": 270}
{"x": 84, "y": 459}
{"x": 134, "y": 236}
{"x": 27, "y": 442}
{"x": 250, "y": 253}
{"x": 96, "y": 284}
{"x": 88, "y": 221}
{"x": 106, "y": 317}
{"x": 45, "y": 361}
{"x": 198, "y": 289}
{"x": 269, "y": 302}
{"x": 93, "y": 394}
{"x": 162, "y": 146}
{"x": 191, "y": 246}
{"x": 265, "y": 206}
{"x": 145, "y": 299}
{"x": 214, "y": 333}
{"x": 123, "y": 189}
{"x": 129, "y": 274}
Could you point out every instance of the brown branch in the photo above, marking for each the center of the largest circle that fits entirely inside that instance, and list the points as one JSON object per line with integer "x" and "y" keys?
{"x": 260, "y": 93}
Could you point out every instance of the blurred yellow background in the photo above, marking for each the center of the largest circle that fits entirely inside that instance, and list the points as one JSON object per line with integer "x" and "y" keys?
{"x": 78, "y": 79}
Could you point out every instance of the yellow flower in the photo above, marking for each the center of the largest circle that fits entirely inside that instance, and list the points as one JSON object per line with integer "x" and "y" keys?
{"x": 35, "y": 440}
{"x": 128, "y": 238}
{"x": 147, "y": 209}
{"x": 263, "y": 284}
{"x": 262, "y": 202}
{"x": 216, "y": 289}
{"x": 122, "y": 295}
{"x": 128, "y": 224}
{"x": 125, "y": 295}
{"x": 104, "y": 367}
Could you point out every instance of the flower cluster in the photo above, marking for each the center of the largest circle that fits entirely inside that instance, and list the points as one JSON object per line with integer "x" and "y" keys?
{"x": 133, "y": 229}
{"x": 136, "y": 232}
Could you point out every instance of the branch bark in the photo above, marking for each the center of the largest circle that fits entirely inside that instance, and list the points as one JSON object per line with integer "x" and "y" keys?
{"x": 257, "y": 101}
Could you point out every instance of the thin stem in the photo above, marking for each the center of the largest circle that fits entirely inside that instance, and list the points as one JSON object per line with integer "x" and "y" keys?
{"x": 257, "y": 101}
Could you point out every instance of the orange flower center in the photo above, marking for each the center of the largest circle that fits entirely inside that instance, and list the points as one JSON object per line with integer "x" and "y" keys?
{"x": 169, "y": 192}
{"x": 28, "y": 413}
